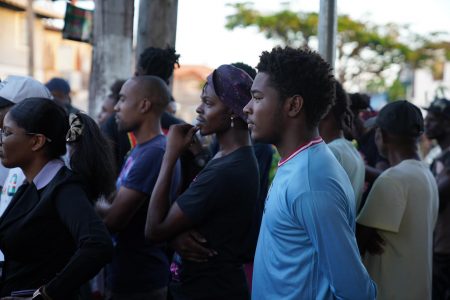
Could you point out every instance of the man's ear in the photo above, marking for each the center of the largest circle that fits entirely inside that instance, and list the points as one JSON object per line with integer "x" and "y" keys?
{"x": 145, "y": 105}
{"x": 38, "y": 142}
{"x": 294, "y": 105}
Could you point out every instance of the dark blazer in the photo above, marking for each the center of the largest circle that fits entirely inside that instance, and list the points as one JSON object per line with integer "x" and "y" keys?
{"x": 52, "y": 237}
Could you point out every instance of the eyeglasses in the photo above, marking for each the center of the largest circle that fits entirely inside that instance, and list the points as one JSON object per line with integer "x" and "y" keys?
{"x": 4, "y": 135}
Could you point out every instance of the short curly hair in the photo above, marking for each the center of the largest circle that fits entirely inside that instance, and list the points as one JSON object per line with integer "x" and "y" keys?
{"x": 301, "y": 72}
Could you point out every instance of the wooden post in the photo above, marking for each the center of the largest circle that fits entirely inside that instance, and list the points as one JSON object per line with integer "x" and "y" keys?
{"x": 30, "y": 37}
{"x": 328, "y": 30}
{"x": 112, "y": 48}
{"x": 157, "y": 24}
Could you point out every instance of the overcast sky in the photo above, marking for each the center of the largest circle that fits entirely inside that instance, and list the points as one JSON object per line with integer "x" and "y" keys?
{"x": 203, "y": 39}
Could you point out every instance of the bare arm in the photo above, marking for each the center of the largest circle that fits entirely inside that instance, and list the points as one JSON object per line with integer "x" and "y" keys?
{"x": 165, "y": 221}
{"x": 118, "y": 214}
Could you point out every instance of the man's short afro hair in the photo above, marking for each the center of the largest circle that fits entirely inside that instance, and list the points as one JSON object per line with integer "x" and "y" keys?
{"x": 301, "y": 72}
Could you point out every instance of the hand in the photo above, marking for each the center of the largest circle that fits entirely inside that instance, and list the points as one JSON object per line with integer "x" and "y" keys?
{"x": 195, "y": 147}
{"x": 188, "y": 246}
{"x": 369, "y": 240}
{"x": 102, "y": 206}
{"x": 180, "y": 137}
{"x": 376, "y": 244}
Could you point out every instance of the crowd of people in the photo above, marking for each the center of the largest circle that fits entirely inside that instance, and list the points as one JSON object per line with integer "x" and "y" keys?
{"x": 139, "y": 204}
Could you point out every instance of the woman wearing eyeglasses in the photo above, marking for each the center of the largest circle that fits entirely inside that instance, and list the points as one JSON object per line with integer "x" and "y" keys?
{"x": 52, "y": 239}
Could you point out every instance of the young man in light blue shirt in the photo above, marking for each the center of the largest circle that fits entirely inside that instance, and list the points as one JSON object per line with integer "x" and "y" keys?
{"x": 306, "y": 247}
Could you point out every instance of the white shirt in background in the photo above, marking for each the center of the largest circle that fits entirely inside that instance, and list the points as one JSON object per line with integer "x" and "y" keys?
{"x": 14, "y": 179}
{"x": 403, "y": 206}
{"x": 353, "y": 164}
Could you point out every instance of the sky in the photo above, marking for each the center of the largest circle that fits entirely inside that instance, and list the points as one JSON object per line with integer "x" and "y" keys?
{"x": 202, "y": 38}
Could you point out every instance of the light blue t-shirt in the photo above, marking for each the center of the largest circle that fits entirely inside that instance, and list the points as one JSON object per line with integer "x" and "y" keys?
{"x": 307, "y": 247}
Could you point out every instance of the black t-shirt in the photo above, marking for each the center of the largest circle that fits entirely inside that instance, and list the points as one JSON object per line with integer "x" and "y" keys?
{"x": 221, "y": 202}
{"x": 264, "y": 156}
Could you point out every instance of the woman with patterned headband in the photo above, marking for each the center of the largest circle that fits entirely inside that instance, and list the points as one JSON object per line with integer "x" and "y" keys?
{"x": 220, "y": 199}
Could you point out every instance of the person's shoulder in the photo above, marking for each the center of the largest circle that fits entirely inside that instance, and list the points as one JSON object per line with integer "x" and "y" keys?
{"x": 155, "y": 146}
{"x": 321, "y": 160}
{"x": 407, "y": 168}
{"x": 66, "y": 176}
{"x": 243, "y": 159}
{"x": 245, "y": 152}
{"x": 418, "y": 172}
{"x": 65, "y": 181}
{"x": 341, "y": 144}
{"x": 241, "y": 162}
{"x": 337, "y": 149}
{"x": 325, "y": 173}
{"x": 398, "y": 175}
{"x": 145, "y": 157}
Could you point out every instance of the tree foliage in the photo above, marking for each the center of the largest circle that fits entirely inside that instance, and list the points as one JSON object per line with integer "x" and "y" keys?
{"x": 364, "y": 50}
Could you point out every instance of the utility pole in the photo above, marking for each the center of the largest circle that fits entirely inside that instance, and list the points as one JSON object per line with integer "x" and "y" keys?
{"x": 112, "y": 47}
{"x": 30, "y": 37}
{"x": 328, "y": 30}
{"x": 157, "y": 24}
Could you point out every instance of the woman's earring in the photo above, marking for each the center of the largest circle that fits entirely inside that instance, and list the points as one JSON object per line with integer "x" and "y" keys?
{"x": 232, "y": 121}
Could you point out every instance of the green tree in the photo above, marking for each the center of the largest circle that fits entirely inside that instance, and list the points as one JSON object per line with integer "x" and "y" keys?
{"x": 396, "y": 91}
{"x": 364, "y": 50}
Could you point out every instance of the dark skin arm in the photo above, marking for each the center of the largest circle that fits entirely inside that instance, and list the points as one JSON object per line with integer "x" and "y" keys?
{"x": 369, "y": 240}
{"x": 117, "y": 215}
{"x": 373, "y": 173}
{"x": 164, "y": 222}
{"x": 189, "y": 246}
